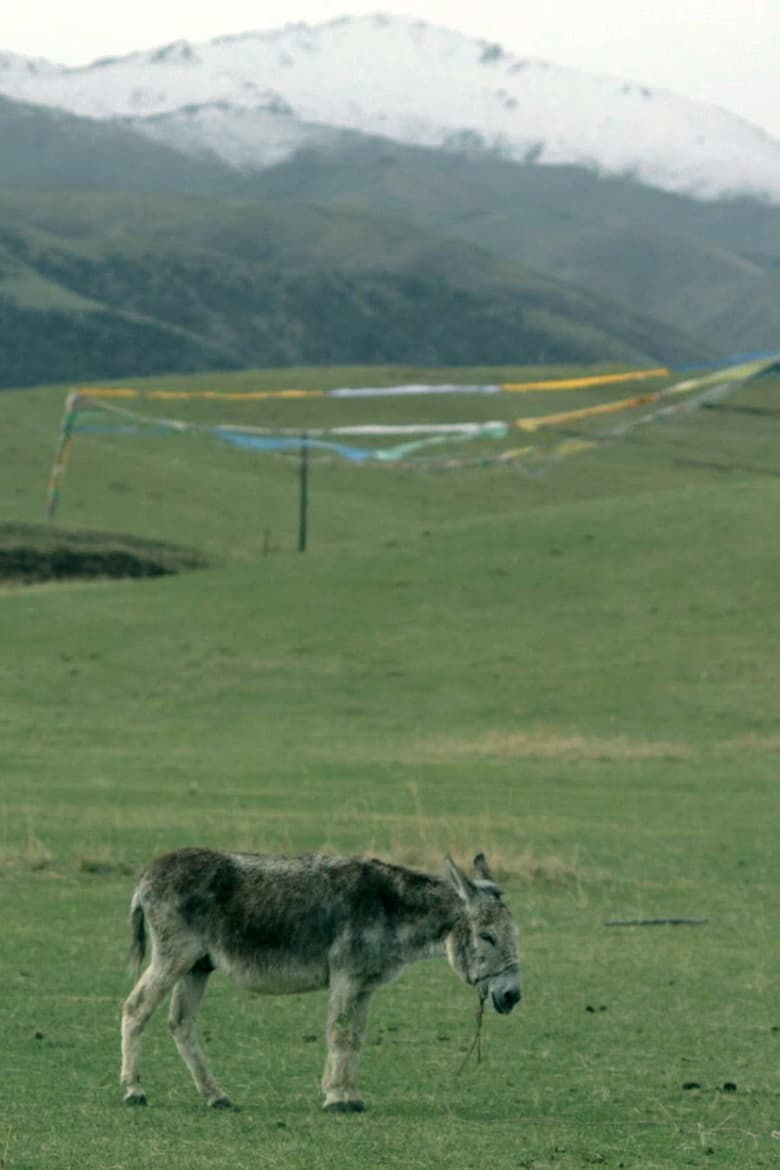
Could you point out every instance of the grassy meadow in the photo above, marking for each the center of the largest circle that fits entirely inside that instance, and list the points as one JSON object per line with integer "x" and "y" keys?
{"x": 575, "y": 671}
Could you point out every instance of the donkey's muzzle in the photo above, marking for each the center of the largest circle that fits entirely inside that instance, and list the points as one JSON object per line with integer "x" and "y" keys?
{"x": 504, "y": 1001}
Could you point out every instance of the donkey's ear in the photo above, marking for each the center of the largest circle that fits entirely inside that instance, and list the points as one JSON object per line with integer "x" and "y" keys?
{"x": 464, "y": 887}
{"x": 482, "y": 869}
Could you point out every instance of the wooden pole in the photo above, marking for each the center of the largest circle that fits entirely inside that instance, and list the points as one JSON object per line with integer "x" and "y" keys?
{"x": 304, "y": 494}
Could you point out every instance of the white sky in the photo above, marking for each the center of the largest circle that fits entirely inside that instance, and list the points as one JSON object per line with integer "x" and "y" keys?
{"x": 721, "y": 51}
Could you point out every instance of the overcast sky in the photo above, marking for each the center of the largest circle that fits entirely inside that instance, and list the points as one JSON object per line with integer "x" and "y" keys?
{"x": 721, "y": 51}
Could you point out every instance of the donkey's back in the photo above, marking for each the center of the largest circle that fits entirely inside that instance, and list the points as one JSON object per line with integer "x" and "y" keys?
{"x": 279, "y": 924}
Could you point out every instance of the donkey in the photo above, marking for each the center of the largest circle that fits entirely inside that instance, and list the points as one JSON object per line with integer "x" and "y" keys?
{"x": 281, "y": 925}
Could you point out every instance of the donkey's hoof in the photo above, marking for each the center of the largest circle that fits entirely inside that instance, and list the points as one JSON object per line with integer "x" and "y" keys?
{"x": 222, "y": 1102}
{"x": 353, "y": 1106}
{"x": 135, "y": 1097}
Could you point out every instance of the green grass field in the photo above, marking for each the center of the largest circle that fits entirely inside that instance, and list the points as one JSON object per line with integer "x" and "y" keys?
{"x": 576, "y": 672}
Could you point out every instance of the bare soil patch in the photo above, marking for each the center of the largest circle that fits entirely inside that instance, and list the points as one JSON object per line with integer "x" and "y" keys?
{"x": 32, "y": 554}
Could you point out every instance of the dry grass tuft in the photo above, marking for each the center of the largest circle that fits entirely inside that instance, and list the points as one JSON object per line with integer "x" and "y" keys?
{"x": 35, "y": 855}
{"x": 421, "y": 840}
{"x": 32, "y": 855}
{"x": 102, "y": 864}
{"x": 552, "y": 870}
{"x": 551, "y": 745}
{"x": 750, "y": 743}
{"x": 508, "y": 867}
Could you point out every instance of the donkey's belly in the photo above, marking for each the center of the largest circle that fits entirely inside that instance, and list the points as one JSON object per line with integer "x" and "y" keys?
{"x": 273, "y": 975}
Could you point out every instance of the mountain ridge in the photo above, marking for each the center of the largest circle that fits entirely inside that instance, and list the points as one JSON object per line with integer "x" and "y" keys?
{"x": 365, "y": 74}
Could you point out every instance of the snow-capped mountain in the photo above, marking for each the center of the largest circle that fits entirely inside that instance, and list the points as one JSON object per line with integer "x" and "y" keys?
{"x": 16, "y": 70}
{"x": 257, "y": 99}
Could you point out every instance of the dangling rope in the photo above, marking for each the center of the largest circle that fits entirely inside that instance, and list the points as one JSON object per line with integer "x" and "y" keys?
{"x": 477, "y": 1041}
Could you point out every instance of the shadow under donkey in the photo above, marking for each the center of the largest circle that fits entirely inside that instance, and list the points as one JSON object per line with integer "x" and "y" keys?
{"x": 281, "y": 925}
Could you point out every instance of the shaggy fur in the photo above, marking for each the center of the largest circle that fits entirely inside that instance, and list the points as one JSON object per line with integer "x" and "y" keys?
{"x": 281, "y": 925}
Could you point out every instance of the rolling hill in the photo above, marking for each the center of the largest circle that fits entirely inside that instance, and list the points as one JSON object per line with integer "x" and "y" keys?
{"x": 96, "y": 285}
{"x": 710, "y": 267}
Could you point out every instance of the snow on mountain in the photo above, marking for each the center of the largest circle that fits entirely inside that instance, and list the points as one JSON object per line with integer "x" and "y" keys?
{"x": 256, "y": 99}
{"x": 16, "y": 70}
{"x": 248, "y": 139}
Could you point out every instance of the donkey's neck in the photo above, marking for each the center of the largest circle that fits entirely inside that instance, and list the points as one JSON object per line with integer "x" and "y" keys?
{"x": 424, "y": 930}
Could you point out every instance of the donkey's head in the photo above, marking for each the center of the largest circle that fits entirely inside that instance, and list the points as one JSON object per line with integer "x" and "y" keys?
{"x": 482, "y": 947}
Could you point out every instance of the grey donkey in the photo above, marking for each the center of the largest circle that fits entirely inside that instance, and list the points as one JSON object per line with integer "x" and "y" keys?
{"x": 281, "y": 925}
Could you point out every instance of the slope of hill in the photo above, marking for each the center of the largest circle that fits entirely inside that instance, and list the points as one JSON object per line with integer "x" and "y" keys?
{"x": 104, "y": 285}
{"x": 415, "y": 83}
{"x": 712, "y": 265}
{"x": 50, "y": 147}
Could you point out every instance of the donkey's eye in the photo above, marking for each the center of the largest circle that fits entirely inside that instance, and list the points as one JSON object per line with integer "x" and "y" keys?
{"x": 488, "y": 937}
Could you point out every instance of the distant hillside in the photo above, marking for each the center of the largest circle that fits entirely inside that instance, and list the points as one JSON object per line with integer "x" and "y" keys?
{"x": 709, "y": 269}
{"x": 49, "y": 147}
{"x": 105, "y": 285}
{"x": 712, "y": 268}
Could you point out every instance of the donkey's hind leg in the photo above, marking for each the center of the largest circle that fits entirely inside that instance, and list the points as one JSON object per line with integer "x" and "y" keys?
{"x": 183, "y": 1024}
{"x": 155, "y": 983}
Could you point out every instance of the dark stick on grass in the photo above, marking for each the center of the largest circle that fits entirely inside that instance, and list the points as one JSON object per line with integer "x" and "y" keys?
{"x": 657, "y": 922}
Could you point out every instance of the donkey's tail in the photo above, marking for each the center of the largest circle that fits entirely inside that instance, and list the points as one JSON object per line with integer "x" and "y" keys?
{"x": 137, "y": 935}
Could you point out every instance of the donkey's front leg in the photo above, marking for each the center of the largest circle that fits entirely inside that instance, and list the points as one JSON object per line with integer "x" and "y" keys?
{"x": 347, "y": 1018}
